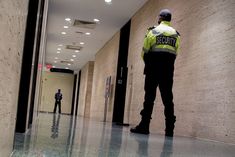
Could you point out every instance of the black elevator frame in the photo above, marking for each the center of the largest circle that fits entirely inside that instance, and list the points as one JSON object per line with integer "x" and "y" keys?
{"x": 121, "y": 77}
{"x": 27, "y": 60}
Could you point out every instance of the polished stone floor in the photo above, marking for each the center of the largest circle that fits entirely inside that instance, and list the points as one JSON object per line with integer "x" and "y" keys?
{"x": 66, "y": 136}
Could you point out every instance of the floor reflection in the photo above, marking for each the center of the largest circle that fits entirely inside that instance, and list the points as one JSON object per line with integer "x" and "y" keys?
{"x": 142, "y": 141}
{"x": 115, "y": 141}
{"x": 55, "y": 126}
{"x": 66, "y": 136}
{"x": 111, "y": 141}
{"x": 167, "y": 147}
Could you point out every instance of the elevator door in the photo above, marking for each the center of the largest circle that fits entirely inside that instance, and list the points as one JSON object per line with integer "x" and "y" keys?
{"x": 121, "y": 77}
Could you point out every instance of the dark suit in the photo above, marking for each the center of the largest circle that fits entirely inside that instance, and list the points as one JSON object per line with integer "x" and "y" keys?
{"x": 58, "y": 98}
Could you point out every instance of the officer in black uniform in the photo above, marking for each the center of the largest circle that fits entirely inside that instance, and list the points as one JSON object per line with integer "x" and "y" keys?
{"x": 58, "y": 98}
{"x": 159, "y": 53}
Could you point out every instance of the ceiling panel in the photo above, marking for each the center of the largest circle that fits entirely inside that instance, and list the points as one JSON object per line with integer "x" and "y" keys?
{"x": 112, "y": 17}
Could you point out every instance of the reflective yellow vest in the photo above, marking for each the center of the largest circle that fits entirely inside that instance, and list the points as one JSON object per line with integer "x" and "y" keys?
{"x": 162, "y": 38}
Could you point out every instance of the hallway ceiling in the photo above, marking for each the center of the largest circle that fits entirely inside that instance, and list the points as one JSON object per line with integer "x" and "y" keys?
{"x": 112, "y": 17}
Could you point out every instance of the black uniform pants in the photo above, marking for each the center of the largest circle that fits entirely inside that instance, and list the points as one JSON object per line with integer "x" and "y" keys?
{"x": 59, "y": 104}
{"x": 159, "y": 73}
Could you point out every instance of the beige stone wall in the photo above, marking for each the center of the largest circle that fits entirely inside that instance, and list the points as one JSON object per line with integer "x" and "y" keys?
{"x": 13, "y": 16}
{"x": 52, "y": 81}
{"x": 89, "y": 89}
{"x": 105, "y": 66}
{"x": 82, "y": 91}
{"x": 85, "y": 89}
{"x": 204, "y": 86}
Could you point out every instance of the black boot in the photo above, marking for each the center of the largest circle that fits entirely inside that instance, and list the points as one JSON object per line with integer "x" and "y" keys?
{"x": 142, "y": 128}
{"x": 169, "y": 133}
{"x": 170, "y": 125}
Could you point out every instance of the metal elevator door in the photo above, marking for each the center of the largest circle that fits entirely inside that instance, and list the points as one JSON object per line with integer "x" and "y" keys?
{"x": 121, "y": 77}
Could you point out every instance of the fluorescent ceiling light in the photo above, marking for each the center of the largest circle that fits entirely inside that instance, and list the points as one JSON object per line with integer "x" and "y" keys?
{"x": 59, "y": 49}
{"x": 96, "y": 20}
{"x": 66, "y": 26}
{"x": 74, "y": 56}
{"x": 88, "y": 33}
{"x": 53, "y": 66}
{"x": 66, "y": 68}
{"x": 58, "y": 52}
{"x": 108, "y": 1}
{"x": 69, "y": 64}
{"x": 72, "y": 60}
{"x": 77, "y": 51}
{"x": 60, "y": 45}
{"x": 82, "y": 43}
{"x": 63, "y": 33}
{"x": 67, "y": 19}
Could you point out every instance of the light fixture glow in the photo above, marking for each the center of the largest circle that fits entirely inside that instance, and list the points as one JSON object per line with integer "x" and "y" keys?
{"x": 66, "y": 68}
{"x": 67, "y": 19}
{"x": 88, "y": 33}
{"x": 53, "y": 66}
{"x": 74, "y": 56}
{"x": 77, "y": 51}
{"x": 69, "y": 64}
{"x": 108, "y": 1}
{"x": 72, "y": 60}
{"x": 60, "y": 45}
{"x": 96, "y": 20}
{"x": 82, "y": 43}
{"x": 66, "y": 26}
{"x": 63, "y": 33}
{"x": 55, "y": 61}
{"x": 58, "y": 52}
{"x": 59, "y": 49}
{"x": 56, "y": 57}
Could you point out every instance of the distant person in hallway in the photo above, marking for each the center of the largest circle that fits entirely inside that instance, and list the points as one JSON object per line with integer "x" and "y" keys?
{"x": 58, "y": 98}
{"x": 160, "y": 48}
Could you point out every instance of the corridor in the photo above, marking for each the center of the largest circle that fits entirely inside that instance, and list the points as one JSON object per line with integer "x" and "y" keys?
{"x": 106, "y": 57}
{"x": 66, "y": 136}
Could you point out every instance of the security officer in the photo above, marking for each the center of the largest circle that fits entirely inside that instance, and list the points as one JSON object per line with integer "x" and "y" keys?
{"x": 58, "y": 98}
{"x": 159, "y": 53}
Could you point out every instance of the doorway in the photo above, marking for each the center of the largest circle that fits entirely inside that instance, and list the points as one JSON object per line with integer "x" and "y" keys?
{"x": 121, "y": 77}
{"x": 29, "y": 64}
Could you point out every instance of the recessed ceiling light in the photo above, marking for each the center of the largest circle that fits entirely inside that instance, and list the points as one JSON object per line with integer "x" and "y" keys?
{"x": 53, "y": 66}
{"x": 108, "y": 1}
{"x": 55, "y": 61}
{"x": 67, "y": 19}
{"x": 56, "y": 57}
{"x": 88, "y": 33}
{"x": 82, "y": 43}
{"x": 66, "y": 68}
{"x": 58, "y": 52}
{"x": 66, "y": 26}
{"x": 74, "y": 56}
{"x": 96, "y": 20}
{"x": 69, "y": 64}
{"x": 60, "y": 45}
{"x": 72, "y": 60}
{"x": 77, "y": 51}
{"x": 63, "y": 33}
{"x": 59, "y": 49}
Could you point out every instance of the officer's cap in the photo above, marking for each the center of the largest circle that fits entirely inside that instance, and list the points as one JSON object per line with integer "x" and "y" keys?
{"x": 165, "y": 14}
